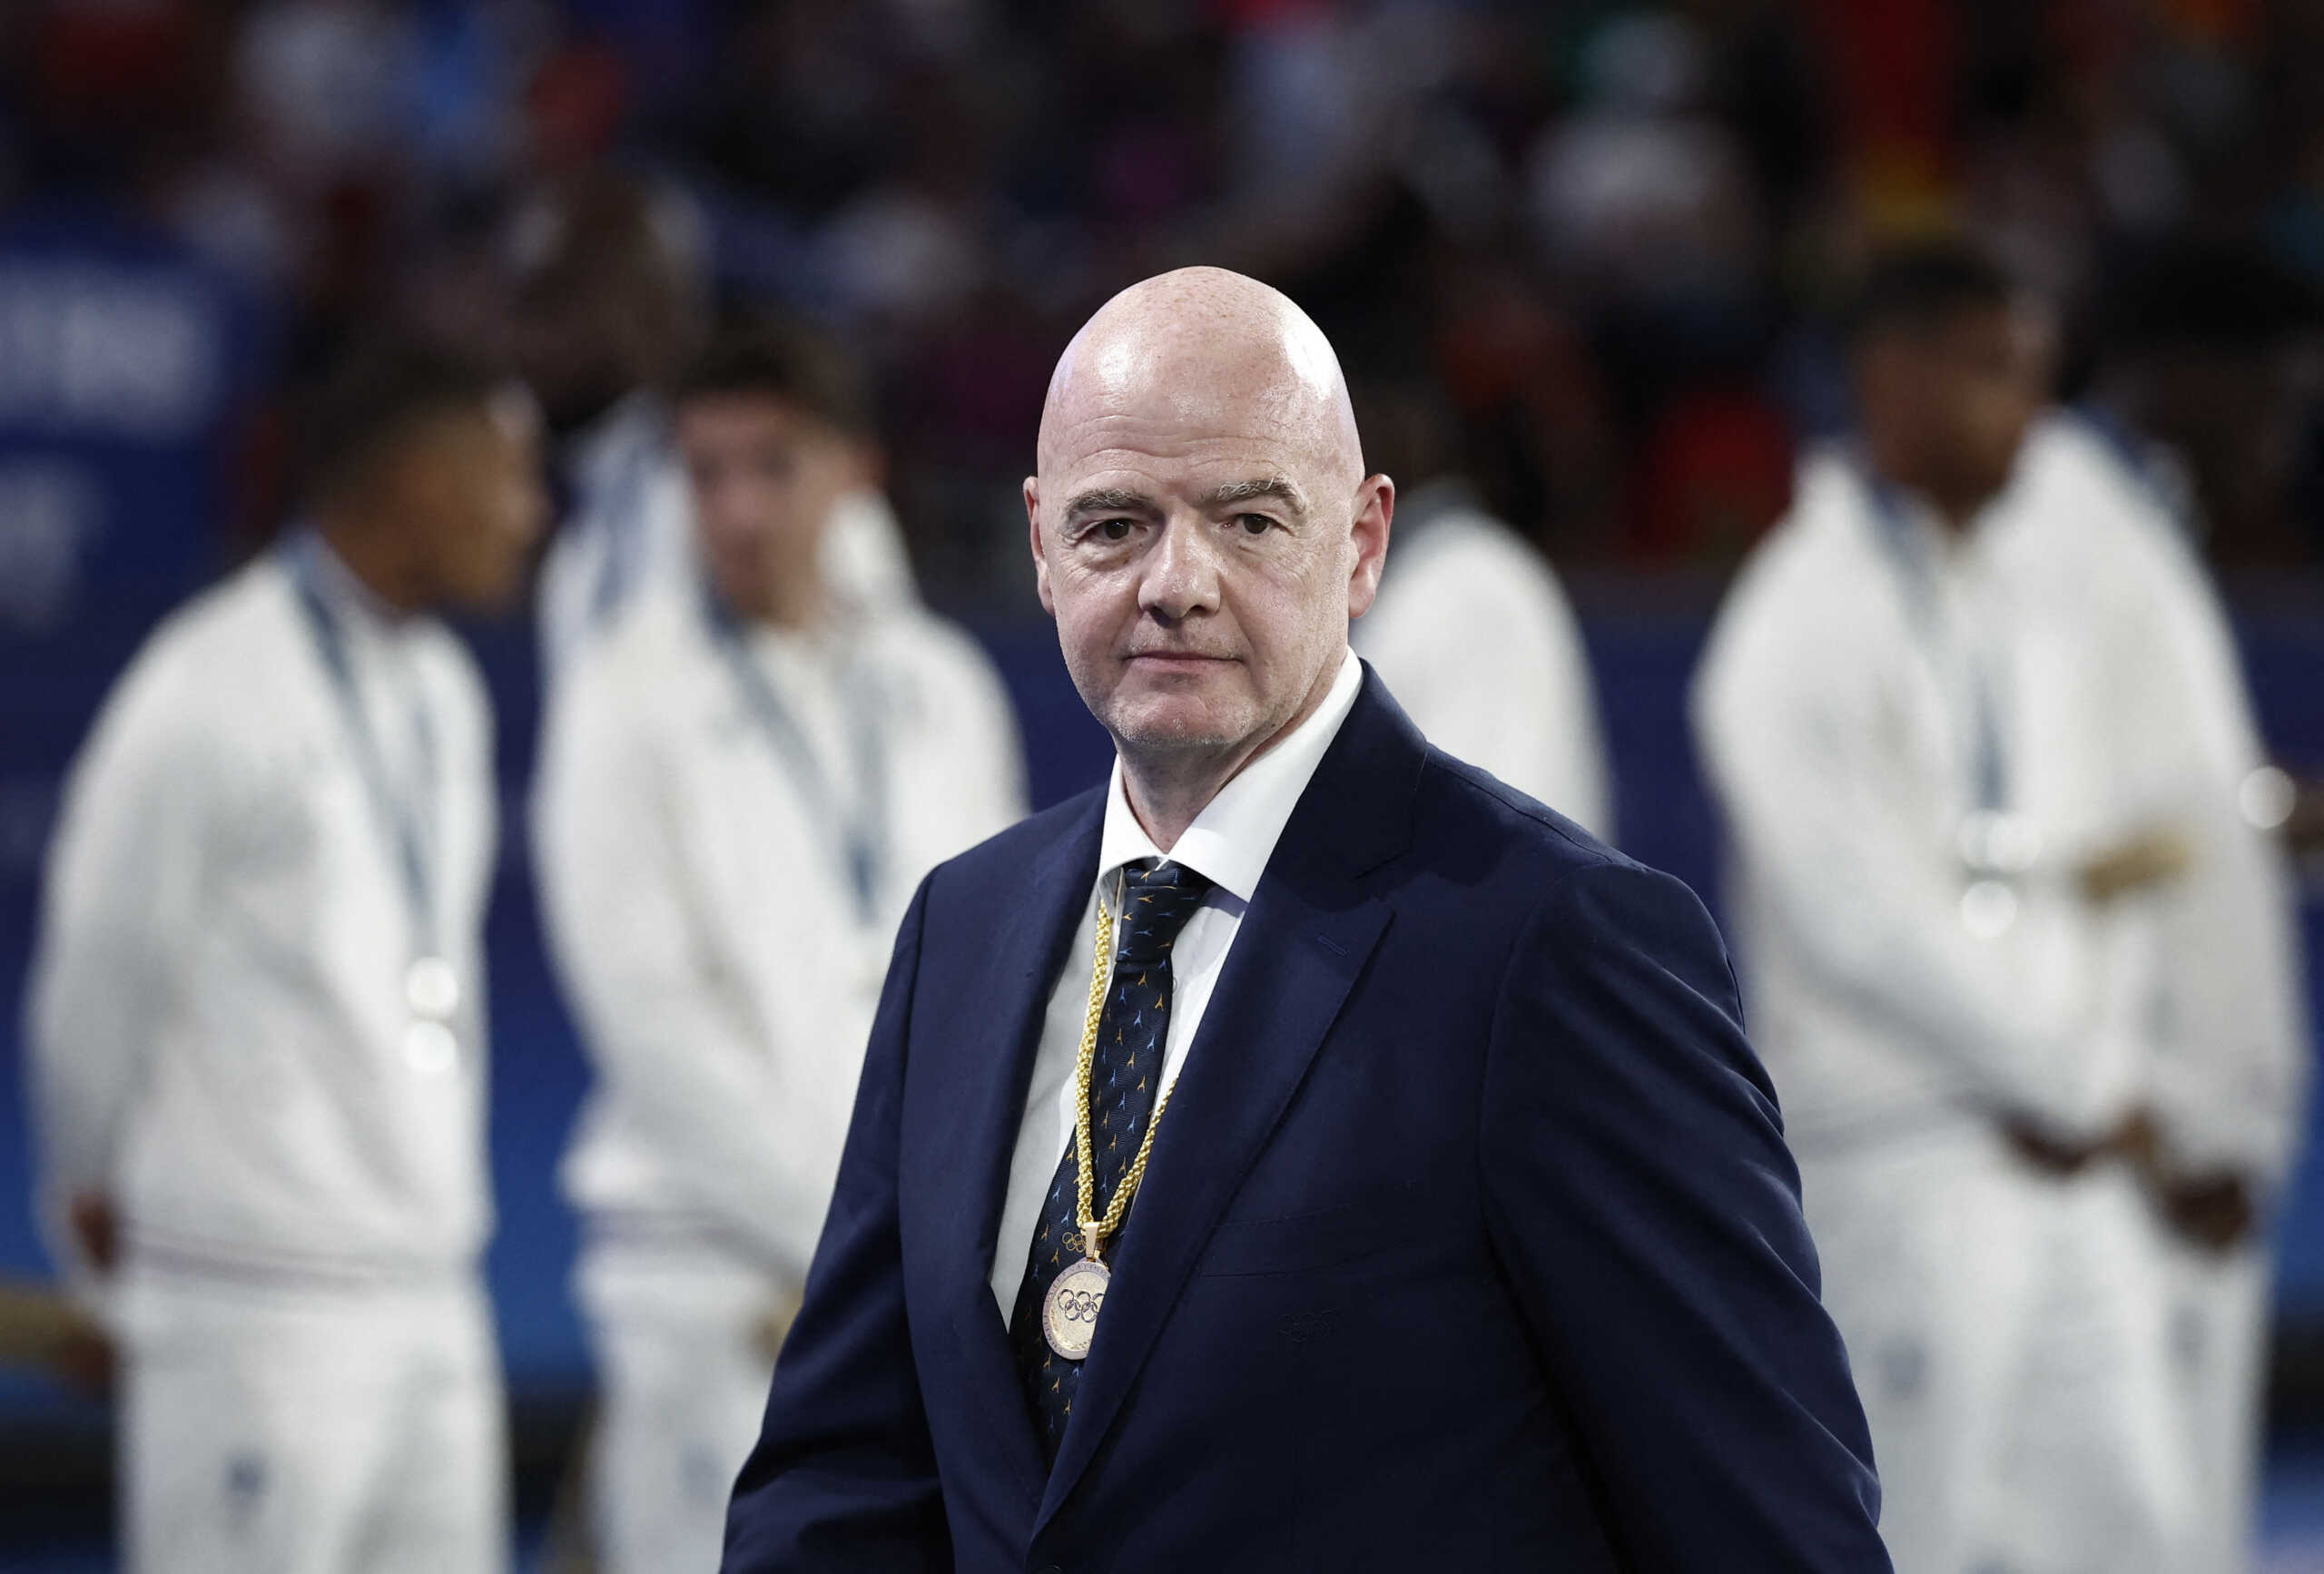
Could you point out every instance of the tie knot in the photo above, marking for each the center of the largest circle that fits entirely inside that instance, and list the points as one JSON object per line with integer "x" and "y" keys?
{"x": 1156, "y": 902}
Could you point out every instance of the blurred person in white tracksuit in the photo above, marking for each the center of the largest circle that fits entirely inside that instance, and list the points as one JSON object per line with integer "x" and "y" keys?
{"x": 609, "y": 287}
{"x": 2107, "y": 522}
{"x": 1474, "y": 631}
{"x": 1937, "y": 891}
{"x": 737, "y": 802}
{"x": 257, "y": 1022}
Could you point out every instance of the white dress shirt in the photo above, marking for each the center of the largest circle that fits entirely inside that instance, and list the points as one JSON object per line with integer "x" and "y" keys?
{"x": 704, "y": 917}
{"x": 220, "y": 1036}
{"x": 1474, "y": 636}
{"x": 1230, "y": 843}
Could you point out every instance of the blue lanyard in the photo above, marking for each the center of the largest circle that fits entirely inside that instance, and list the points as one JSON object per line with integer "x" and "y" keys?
{"x": 860, "y": 836}
{"x": 619, "y": 511}
{"x": 400, "y": 818}
{"x": 1908, "y": 556}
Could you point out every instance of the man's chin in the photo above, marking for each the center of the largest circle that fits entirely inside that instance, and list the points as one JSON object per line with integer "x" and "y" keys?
{"x": 1174, "y": 723}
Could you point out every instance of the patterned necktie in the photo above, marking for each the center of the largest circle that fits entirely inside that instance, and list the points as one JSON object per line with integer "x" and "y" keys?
{"x": 1124, "y": 1077}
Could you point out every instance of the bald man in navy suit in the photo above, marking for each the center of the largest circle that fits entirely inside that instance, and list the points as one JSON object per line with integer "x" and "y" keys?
{"x": 1304, "y": 1152}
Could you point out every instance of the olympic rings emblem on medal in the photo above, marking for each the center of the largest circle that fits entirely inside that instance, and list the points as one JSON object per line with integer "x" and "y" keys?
{"x": 1069, "y": 1312}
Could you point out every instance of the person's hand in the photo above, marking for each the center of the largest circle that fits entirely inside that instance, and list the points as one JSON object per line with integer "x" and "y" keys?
{"x": 96, "y": 1230}
{"x": 2215, "y": 1211}
{"x": 42, "y": 1327}
{"x": 2212, "y": 1209}
{"x": 2133, "y": 1140}
{"x": 2154, "y": 857}
{"x": 82, "y": 1356}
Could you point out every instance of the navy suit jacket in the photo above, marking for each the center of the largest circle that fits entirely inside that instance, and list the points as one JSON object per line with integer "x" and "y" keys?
{"x": 1470, "y": 1242}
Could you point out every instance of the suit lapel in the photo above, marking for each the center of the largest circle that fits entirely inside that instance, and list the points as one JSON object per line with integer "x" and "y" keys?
{"x": 1311, "y": 927}
{"x": 1006, "y": 994}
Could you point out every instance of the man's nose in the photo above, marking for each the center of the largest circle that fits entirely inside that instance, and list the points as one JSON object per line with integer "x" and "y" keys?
{"x": 1181, "y": 572}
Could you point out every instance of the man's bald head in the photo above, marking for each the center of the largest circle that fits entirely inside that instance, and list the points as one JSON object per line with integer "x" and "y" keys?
{"x": 1202, "y": 525}
{"x": 1215, "y": 350}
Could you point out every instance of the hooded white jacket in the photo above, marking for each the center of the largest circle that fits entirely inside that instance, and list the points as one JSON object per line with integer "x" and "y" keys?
{"x": 702, "y": 915}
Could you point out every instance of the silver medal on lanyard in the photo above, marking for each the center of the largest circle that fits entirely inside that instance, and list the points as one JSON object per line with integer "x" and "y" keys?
{"x": 858, "y": 836}
{"x": 1996, "y": 846}
{"x": 432, "y": 983}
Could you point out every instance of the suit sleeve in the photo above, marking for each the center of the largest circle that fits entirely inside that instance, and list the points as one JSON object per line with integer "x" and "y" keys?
{"x": 1647, "y": 1211}
{"x": 844, "y": 1477}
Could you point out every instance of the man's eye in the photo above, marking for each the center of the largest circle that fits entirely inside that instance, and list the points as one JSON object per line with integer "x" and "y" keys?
{"x": 1255, "y": 524}
{"x": 1111, "y": 529}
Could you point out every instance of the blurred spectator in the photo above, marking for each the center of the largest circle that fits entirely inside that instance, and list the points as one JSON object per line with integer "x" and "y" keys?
{"x": 1670, "y": 185}
{"x": 736, "y": 805}
{"x": 1927, "y": 898}
{"x": 2108, "y": 518}
{"x": 609, "y": 301}
{"x": 1472, "y": 630}
{"x": 257, "y": 1024}
{"x": 2203, "y": 976}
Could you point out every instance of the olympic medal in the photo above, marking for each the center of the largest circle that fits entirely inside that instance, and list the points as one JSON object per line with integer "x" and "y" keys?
{"x": 432, "y": 989}
{"x": 431, "y": 1047}
{"x": 1070, "y": 1314}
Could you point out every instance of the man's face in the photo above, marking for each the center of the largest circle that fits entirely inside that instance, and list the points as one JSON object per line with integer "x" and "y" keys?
{"x": 471, "y": 482}
{"x": 1202, "y": 558}
{"x": 765, "y": 475}
{"x": 1952, "y": 403}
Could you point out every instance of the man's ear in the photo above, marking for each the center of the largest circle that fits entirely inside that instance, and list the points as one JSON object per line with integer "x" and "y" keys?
{"x": 1375, "y": 509}
{"x": 1040, "y": 557}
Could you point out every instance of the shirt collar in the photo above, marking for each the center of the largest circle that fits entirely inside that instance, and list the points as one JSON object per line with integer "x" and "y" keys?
{"x": 1232, "y": 839}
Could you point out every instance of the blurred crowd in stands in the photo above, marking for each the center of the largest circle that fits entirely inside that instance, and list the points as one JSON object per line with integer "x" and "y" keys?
{"x": 1586, "y": 251}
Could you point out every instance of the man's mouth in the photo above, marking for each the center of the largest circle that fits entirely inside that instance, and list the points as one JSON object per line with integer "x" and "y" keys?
{"x": 1179, "y": 658}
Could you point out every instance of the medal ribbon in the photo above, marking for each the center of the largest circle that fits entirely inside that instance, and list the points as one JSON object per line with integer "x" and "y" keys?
{"x": 860, "y": 836}
{"x": 1908, "y": 555}
{"x": 1095, "y": 1227}
{"x": 401, "y": 817}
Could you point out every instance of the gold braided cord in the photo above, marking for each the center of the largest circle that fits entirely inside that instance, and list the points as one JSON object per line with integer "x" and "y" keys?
{"x": 1094, "y": 1229}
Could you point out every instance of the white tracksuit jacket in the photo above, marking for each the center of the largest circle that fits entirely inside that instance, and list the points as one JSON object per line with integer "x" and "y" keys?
{"x": 1474, "y": 636}
{"x": 701, "y": 914}
{"x": 218, "y": 1017}
{"x": 2219, "y": 998}
{"x": 1831, "y": 709}
{"x": 2217, "y": 985}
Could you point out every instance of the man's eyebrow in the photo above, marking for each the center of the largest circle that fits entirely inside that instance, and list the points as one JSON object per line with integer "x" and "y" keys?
{"x": 1279, "y": 487}
{"x": 1112, "y": 500}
